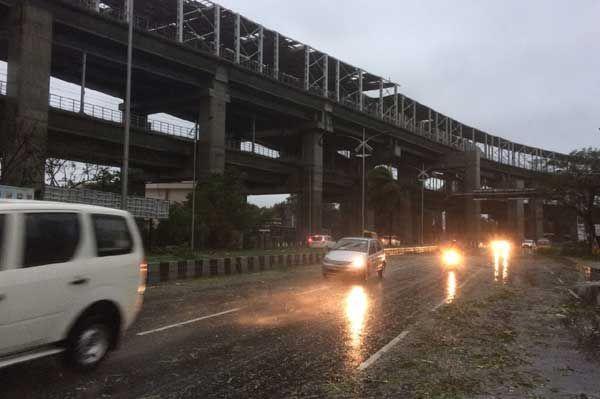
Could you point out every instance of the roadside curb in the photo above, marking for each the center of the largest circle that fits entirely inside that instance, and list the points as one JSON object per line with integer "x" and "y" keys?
{"x": 161, "y": 272}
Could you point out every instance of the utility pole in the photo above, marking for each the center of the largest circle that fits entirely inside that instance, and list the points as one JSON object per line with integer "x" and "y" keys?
{"x": 125, "y": 167}
{"x": 193, "y": 236}
{"x": 364, "y": 166}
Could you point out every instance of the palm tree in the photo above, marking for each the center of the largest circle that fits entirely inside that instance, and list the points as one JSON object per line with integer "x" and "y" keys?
{"x": 384, "y": 194}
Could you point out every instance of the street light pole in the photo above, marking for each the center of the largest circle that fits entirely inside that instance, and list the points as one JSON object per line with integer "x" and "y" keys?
{"x": 364, "y": 157}
{"x": 422, "y": 212}
{"x": 125, "y": 167}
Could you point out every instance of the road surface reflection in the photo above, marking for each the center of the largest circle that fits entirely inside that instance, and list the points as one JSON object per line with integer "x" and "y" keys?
{"x": 500, "y": 269}
{"x": 357, "y": 304}
{"x": 451, "y": 286}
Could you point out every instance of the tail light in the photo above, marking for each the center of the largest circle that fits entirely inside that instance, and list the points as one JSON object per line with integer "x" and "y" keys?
{"x": 310, "y": 240}
{"x": 143, "y": 276}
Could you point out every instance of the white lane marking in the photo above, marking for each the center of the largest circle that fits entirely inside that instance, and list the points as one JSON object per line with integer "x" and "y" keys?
{"x": 560, "y": 280}
{"x": 311, "y": 291}
{"x": 381, "y": 351}
{"x": 573, "y": 293}
{"x": 369, "y": 362}
{"x": 183, "y": 323}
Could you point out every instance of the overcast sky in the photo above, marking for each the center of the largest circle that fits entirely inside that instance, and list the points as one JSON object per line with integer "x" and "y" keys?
{"x": 527, "y": 70}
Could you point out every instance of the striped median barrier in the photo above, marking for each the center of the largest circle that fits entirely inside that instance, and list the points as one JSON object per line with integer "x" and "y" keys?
{"x": 160, "y": 272}
{"x": 411, "y": 250}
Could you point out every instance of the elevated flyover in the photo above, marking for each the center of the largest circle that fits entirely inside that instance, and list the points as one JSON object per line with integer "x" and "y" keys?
{"x": 241, "y": 83}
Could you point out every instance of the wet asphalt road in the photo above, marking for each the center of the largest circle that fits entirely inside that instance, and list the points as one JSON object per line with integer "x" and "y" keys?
{"x": 286, "y": 334}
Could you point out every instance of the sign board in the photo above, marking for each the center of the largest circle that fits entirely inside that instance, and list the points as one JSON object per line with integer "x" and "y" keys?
{"x": 9, "y": 192}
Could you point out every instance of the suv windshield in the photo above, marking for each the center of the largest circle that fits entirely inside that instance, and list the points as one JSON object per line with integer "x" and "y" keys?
{"x": 352, "y": 245}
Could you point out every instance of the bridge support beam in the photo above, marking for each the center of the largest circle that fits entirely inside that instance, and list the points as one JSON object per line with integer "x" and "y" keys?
{"x": 24, "y": 136}
{"x": 472, "y": 208}
{"x": 311, "y": 195}
{"x": 211, "y": 123}
{"x": 516, "y": 214}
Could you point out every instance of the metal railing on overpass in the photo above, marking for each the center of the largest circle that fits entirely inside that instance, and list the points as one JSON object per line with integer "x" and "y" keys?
{"x": 116, "y": 116}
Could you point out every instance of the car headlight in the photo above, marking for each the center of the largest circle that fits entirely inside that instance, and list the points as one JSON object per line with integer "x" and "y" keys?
{"x": 451, "y": 257}
{"x": 358, "y": 263}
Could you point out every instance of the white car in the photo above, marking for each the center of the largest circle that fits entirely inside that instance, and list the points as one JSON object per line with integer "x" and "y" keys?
{"x": 357, "y": 256}
{"x": 528, "y": 244}
{"x": 320, "y": 241}
{"x": 72, "y": 279}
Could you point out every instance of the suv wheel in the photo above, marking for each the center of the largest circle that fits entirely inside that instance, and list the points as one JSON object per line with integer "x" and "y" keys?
{"x": 89, "y": 343}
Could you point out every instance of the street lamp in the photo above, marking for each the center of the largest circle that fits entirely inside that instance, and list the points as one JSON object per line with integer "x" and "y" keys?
{"x": 422, "y": 177}
{"x": 362, "y": 147}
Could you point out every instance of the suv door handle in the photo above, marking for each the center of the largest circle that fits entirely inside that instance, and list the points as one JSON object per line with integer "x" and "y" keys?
{"x": 79, "y": 281}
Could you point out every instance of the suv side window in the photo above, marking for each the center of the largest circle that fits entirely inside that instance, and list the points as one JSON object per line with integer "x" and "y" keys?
{"x": 50, "y": 238}
{"x": 112, "y": 235}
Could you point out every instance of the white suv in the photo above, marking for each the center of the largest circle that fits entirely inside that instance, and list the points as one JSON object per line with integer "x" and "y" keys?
{"x": 72, "y": 279}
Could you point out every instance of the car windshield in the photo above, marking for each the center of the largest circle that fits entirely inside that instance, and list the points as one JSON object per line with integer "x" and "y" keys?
{"x": 355, "y": 245}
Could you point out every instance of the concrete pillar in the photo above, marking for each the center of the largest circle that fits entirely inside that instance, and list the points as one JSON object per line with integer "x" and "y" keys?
{"x": 472, "y": 208}
{"x": 537, "y": 210}
{"x": 516, "y": 213}
{"x": 212, "y": 122}
{"x": 311, "y": 196}
{"x": 25, "y": 132}
{"x": 406, "y": 219}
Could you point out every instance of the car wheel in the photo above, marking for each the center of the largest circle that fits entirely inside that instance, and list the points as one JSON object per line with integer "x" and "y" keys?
{"x": 89, "y": 343}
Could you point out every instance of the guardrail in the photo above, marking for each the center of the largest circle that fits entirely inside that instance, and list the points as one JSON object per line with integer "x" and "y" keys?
{"x": 410, "y": 250}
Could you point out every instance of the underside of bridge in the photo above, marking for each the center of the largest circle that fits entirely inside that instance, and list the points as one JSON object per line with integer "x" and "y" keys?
{"x": 286, "y": 116}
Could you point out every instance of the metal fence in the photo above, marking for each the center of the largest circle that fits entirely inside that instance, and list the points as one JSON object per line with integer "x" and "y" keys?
{"x": 116, "y": 116}
{"x": 147, "y": 208}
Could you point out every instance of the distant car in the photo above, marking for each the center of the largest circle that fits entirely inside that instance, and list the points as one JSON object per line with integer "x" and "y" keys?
{"x": 544, "y": 243}
{"x": 390, "y": 241}
{"x": 528, "y": 244}
{"x": 356, "y": 256}
{"x": 72, "y": 279}
{"x": 320, "y": 241}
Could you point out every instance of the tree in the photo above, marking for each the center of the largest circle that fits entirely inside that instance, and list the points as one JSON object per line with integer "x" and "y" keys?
{"x": 576, "y": 185}
{"x": 222, "y": 212}
{"x": 384, "y": 194}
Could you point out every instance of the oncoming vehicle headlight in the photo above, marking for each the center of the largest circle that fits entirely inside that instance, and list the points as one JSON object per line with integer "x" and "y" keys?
{"x": 451, "y": 257}
{"x": 500, "y": 248}
{"x": 358, "y": 263}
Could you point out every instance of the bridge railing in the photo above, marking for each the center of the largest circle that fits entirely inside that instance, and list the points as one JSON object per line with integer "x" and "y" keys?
{"x": 244, "y": 145}
{"x": 116, "y": 116}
